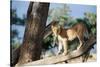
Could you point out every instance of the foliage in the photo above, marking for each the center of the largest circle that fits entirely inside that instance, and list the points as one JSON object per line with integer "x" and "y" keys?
{"x": 47, "y": 43}
{"x": 15, "y": 19}
{"x": 91, "y": 19}
{"x": 15, "y": 45}
{"x": 14, "y": 33}
{"x": 58, "y": 13}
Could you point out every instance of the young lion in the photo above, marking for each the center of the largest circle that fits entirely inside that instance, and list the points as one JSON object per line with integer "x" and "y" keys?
{"x": 79, "y": 31}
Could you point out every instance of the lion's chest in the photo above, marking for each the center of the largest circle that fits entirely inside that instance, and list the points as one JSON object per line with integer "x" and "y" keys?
{"x": 60, "y": 38}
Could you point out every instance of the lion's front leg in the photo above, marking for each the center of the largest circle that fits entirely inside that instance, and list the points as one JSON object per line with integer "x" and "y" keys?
{"x": 59, "y": 48}
{"x": 65, "y": 46}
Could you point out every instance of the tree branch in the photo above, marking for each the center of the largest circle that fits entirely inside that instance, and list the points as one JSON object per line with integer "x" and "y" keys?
{"x": 15, "y": 53}
{"x": 60, "y": 58}
{"x": 47, "y": 31}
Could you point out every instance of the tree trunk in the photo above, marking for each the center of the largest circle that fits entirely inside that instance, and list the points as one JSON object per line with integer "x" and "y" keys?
{"x": 36, "y": 21}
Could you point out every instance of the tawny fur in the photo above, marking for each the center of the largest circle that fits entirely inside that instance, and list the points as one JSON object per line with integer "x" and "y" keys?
{"x": 79, "y": 31}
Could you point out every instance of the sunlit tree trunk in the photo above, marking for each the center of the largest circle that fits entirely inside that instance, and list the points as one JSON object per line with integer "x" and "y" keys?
{"x": 36, "y": 21}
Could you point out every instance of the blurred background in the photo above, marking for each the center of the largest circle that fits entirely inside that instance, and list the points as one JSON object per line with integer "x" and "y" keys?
{"x": 67, "y": 14}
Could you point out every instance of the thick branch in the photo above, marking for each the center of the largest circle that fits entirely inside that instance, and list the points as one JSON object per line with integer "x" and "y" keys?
{"x": 32, "y": 41}
{"x": 15, "y": 53}
{"x": 47, "y": 31}
{"x": 72, "y": 55}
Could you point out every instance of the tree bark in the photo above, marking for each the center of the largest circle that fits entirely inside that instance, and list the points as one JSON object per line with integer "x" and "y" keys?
{"x": 36, "y": 21}
{"x": 47, "y": 31}
{"x": 61, "y": 58}
{"x": 15, "y": 54}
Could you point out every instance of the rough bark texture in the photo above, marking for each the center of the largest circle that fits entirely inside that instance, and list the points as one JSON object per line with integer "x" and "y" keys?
{"x": 15, "y": 54}
{"x": 61, "y": 58}
{"x": 36, "y": 21}
{"x": 47, "y": 31}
